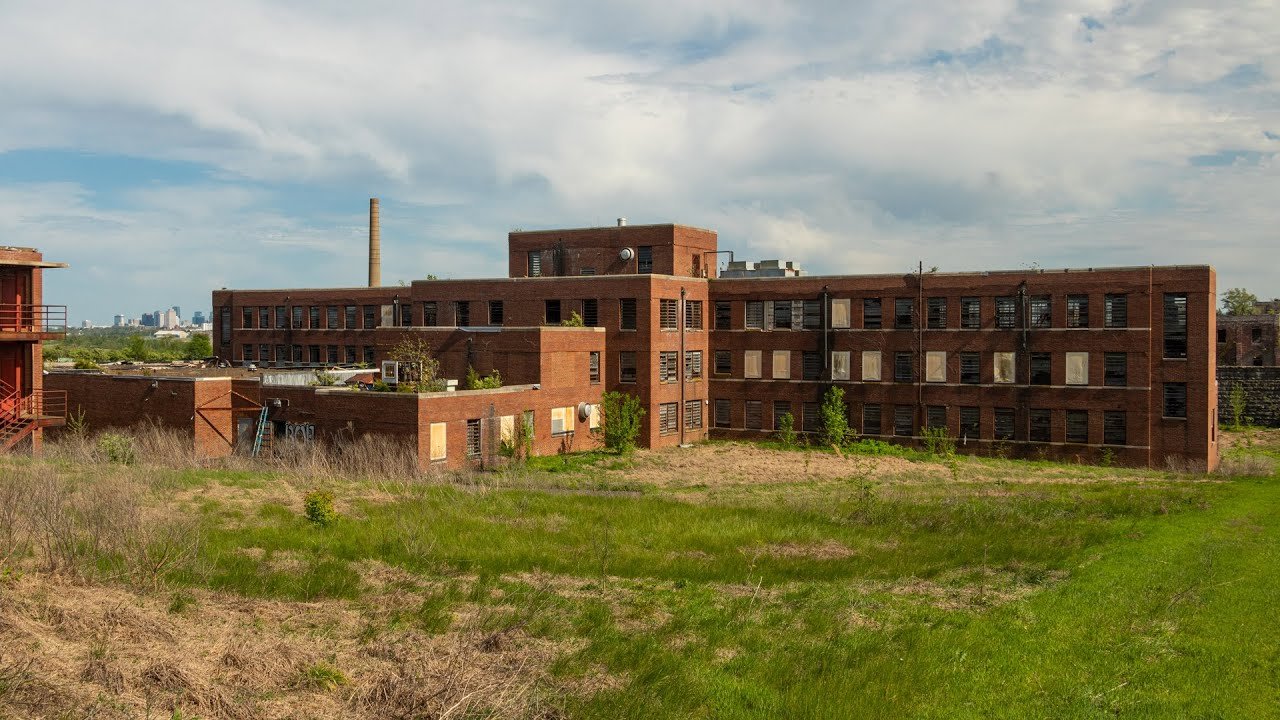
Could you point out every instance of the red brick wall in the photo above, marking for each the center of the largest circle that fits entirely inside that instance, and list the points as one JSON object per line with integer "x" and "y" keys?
{"x": 597, "y": 248}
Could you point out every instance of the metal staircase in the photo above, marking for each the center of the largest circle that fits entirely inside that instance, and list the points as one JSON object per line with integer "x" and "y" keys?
{"x": 21, "y": 414}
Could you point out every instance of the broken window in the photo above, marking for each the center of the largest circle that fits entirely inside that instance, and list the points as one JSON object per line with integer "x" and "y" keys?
{"x": 1004, "y": 423}
{"x": 644, "y": 259}
{"x": 937, "y": 313}
{"x": 781, "y": 409}
{"x": 935, "y": 416}
{"x": 1077, "y": 311}
{"x": 473, "y": 438}
{"x": 1006, "y": 312}
{"x": 755, "y": 315}
{"x": 781, "y": 364}
{"x": 723, "y": 315}
{"x": 840, "y": 312}
{"x": 970, "y": 313}
{"x": 282, "y": 317}
{"x": 1077, "y": 368}
{"x": 723, "y": 408}
{"x": 811, "y": 365}
{"x": 495, "y": 312}
{"x": 1175, "y": 325}
{"x": 332, "y": 317}
{"x": 693, "y": 414}
{"x": 667, "y": 314}
{"x": 462, "y": 313}
{"x": 1041, "y": 368}
{"x": 264, "y": 353}
{"x": 551, "y": 313}
{"x": 871, "y": 318}
{"x": 331, "y": 354}
{"x": 692, "y": 364}
{"x": 370, "y": 355}
{"x": 591, "y": 312}
{"x": 1114, "y": 428}
{"x": 1116, "y": 311}
{"x": 693, "y": 315}
{"x": 297, "y": 354}
{"x": 371, "y": 315}
{"x": 627, "y": 313}
{"x": 246, "y": 352}
{"x": 297, "y": 317}
{"x": 904, "y": 313}
{"x": 840, "y": 365}
{"x": 246, "y": 317}
{"x": 724, "y": 362}
{"x": 352, "y": 316}
{"x": 751, "y": 364}
{"x": 593, "y": 366}
{"x": 903, "y": 368}
{"x": 1041, "y": 311}
{"x": 781, "y": 314}
{"x": 1115, "y": 369}
{"x": 349, "y": 355}
{"x": 903, "y": 420}
{"x": 627, "y": 366}
{"x": 871, "y": 419}
{"x": 797, "y": 314}
{"x": 667, "y": 367}
{"x": 970, "y": 423}
{"x": 754, "y": 414}
{"x": 535, "y": 263}
{"x": 870, "y": 366}
{"x": 970, "y": 368}
{"x": 313, "y": 317}
{"x": 1175, "y": 400}
{"x": 1040, "y": 424}
{"x": 812, "y": 314}
{"x": 264, "y": 317}
{"x": 1255, "y": 335}
{"x": 282, "y": 355}
{"x": 1077, "y": 426}
{"x": 430, "y": 316}
{"x": 1004, "y": 367}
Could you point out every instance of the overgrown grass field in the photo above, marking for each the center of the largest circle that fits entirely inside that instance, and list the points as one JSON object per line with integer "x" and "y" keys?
{"x": 679, "y": 584}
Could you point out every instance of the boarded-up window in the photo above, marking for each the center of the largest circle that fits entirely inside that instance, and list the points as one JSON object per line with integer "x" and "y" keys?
{"x": 507, "y": 429}
{"x": 1039, "y": 425}
{"x": 751, "y": 364}
{"x": 667, "y": 418}
{"x": 1004, "y": 423}
{"x": 693, "y": 414}
{"x": 1077, "y": 426}
{"x": 438, "y": 440}
{"x": 722, "y": 410}
{"x": 781, "y": 364}
{"x": 1077, "y": 368}
{"x": 840, "y": 365}
{"x": 871, "y": 366}
{"x": 1005, "y": 367}
{"x": 593, "y": 417}
{"x": 840, "y": 312}
{"x": 935, "y": 366}
{"x": 562, "y": 420}
{"x": 754, "y": 414}
{"x": 755, "y": 315}
{"x": 970, "y": 423}
{"x": 871, "y": 419}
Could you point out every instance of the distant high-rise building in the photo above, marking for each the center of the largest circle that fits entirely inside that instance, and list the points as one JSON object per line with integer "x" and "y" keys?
{"x": 150, "y": 320}
{"x": 86, "y": 324}
{"x": 169, "y": 319}
{"x": 197, "y": 318}
{"x": 177, "y": 311}
{"x": 117, "y": 321}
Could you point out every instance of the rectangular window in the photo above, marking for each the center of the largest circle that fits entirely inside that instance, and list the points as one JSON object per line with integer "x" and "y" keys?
{"x": 1077, "y": 311}
{"x": 1004, "y": 423}
{"x": 667, "y": 314}
{"x": 282, "y": 355}
{"x": 551, "y": 314}
{"x": 970, "y": 423}
{"x": 751, "y": 364}
{"x": 841, "y": 311}
{"x": 840, "y": 365}
{"x": 439, "y": 442}
{"x": 224, "y": 325}
{"x": 352, "y": 314}
{"x": 1005, "y": 367}
{"x": 331, "y": 354}
{"x": 754, "y": 414}
{"x": 904, "y": 313}
{"x": 1077, "y": 426}
{"x": 1041, "y": 368}
{"x": 781, "y": 364}
{"x": 935, "y": 366}
{"x": 903, "y": 368}
{"x": 430, "y": 314}
{"x": 723, "y": 315}
{"x": 781, "y": 408}
{"x": 1039, "y": 425}
{"x": 668, "y": 422}
{"x": 1115, "y": 369}
{"x": 297, "y": 312}
{"x": 406, "y": 314}
{"x": 724, "y": 362}
{"x": 313, "y": 317}
{"x": 935, "y": 416}
{"x": 1006, "y": 312}
{"x": 644, "y": 259}
{"x": 1041, "y": 311}
{"x": 350, "y": 355}
{"x": 1116, "y": 311}
{"x": 1175, "y": 325}
{"x": 495, "y": 312}
{"x": 246, "y": 353}
{"x": 264, "y": 353}
{"x": 871, "y": 366}
{"x": 937, "y": 313}
{"x": 811, "y": 365}
{"x": 246, "y": 317}
{"x": 264, "y": 317}
{"x": 1115, "y": 429}
{"x": 970, "y": 368}
{"x": 809, "y": 417}
{"x": 297, "y": 354}
{"x": 755, "y": 315}
{"x": 871, "y": 315}
{"x": 370, "y": 355}
{"x": 1077, "y": 368}
{"x": 473, "y": 438}
{"x": 871, "y": 419}
{"x": 462, "y": 313}
{"x": 722, "y": 411}
{"x": 371, "y": 315}
{"x": 970, "y": 313}
{"x": 282, "y": 317}
{"x": 591, "y": 312}
{"x": 692, "y": 364}
{"x": 904, "y": 417}
{"x": 1175, "y": 400}
{"x": 627, "y": 366}
{"x": 667, "y": 367}
{"x": 331, "y": 317}
{"x": 812, "y": 310}
{"x": 535, "y": 263}
{"x": 627, "y": 314}
{"x": 561, "y": 420}
{"x": 693, "y": 414}
{"x": 692, "y": 314}
{"x": 781, "y": 314}
{"x": 593, "y": 366}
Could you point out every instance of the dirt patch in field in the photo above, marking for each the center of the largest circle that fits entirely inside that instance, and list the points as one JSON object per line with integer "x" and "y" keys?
{"x": 824, "y": 550}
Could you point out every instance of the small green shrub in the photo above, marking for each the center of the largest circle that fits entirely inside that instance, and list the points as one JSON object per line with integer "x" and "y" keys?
{"x": 86, "y": 364}
{"x": 574, "y": 320}
{"x": 835, "y": 418}
{"x": 620, "y": 415}
{"x": 787, "y": 431}
{"x": 1108, "y": 457}
{"x": 476, "y": 381}
{"x": 180, "y": 602}
{"x": 938, "y": 442}
{"x": 326, "y": 379}
{"x": 117, "y": 448}
{"x": 1237, "y": 401}
{"x": 318, "y": 507}
{"x": 321, "y": 676}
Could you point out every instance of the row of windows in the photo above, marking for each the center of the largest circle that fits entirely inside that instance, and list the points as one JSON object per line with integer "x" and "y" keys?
{"x": 667, "y": 370}
{"x": 644, "y": 262}
{"x": 308, "y": 354}
{"x": 669, "y": 423}
{"x": 316, "y": 317}
{"x": 1004, "y": 426}
{"x": 1003, "y": 365}
{"x": 562, "y": 423}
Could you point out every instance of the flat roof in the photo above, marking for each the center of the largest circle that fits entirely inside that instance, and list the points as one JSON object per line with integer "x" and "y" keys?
{"x": 612, "y": 227}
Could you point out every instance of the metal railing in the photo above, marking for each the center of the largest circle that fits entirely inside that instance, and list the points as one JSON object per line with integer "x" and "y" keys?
{"x": 35, "y": 407}
{"x": 33, "y": 318}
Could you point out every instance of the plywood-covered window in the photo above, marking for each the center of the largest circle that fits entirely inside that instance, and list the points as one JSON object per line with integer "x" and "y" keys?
{"x": 439, "y": 440}
{"x": 840, "y": 312}
{"x": 562, "y": 420}
{"x": 840, "y": 365}
{"x": 935, "y": 366}
{"x": 781, "y": 364}
{"x": 1005, "y": 367}
{"x": 751, "y": 362}
{"x": 507, "y": 430}
{"x": 1077, "y": 368}
{"x": 871, "y": 366}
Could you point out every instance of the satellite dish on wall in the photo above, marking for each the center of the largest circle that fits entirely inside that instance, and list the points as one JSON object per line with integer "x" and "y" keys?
{"x": 626, "y": 254}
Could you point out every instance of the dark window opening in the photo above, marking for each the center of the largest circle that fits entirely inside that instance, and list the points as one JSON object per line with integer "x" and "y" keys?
{"x": 1040, "y": 423}
{"x": 591, "y": 312}
{"x": 722, "y": 411}
{"x": 224, "y": 325}
{"x": 970, "y": 313}
{"x": 871, "y": 419}
{"x": 781, "y": 409}
{"x": 781, "y": 314}
{"x": 246, "y": 317}
{"x": 723, "y": 315}
{"x": 754, "y": 414}
{"x": 1114, "y": 428}
{"x": 495, "y": 312}
{"x": 331, "y": 317}
{"x": 1116, "y": 311}
{"x": 903, "y": 420}
{"x": 352, "y": 315}
{"x": 1077, "y": 426}
{"x": 812, "y": 315}
{"x": 371, "y": 313}
{"x": 811, "y": 365}
{"x": 406, "y": 314}
{"x": 370, "y": 355}
{"x": 935, "y": 416}
{"x": 1175, "y": 325}
{"x": 644, "y": 259}
{"x": 809, "y": 417}
{"x": 627, "y": 366}
{"x": 350, "y": 355}
{"x": 297, "y": 317}
{"x": 264, "y": 317}
{"x": 970, "y": 368}
{"x": 627, "y": 313}
{"x": 1004, "y": 423}
{"x": 462, "y": 311}
{"x": 331, "y": 354}
{"x": 282, "y": 317}
{"x": 430, "y": 314}
{"x": 903, "y": 369}
{"x": 937, "y": 313}
{"x": 724, "y": 362}
{"x": 970, "y": 423}
{"x": 297, "y": 354}
{"x": 871, "y": 317}
{"x": 1115, "y": 369}
{"x": 551, "y": 316}
{"x": 1175, "y": 400}
{"x": 904, "y": 313}
{"x": 1256, "y": 335}
{"x": 1041, "y": 368}
{"x": 313, "y": 317}
{"x": 1077, "y": 311}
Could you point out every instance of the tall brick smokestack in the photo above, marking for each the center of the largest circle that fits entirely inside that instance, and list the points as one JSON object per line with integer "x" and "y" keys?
{"x": 375, "y": 245}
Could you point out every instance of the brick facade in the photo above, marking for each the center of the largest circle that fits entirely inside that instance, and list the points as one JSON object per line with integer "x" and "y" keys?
{"x": 1250, "y": 340}
{"x": 25, "y": 323}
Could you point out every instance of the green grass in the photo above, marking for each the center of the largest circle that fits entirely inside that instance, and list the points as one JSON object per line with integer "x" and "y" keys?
{"x": 1093, "y": 592}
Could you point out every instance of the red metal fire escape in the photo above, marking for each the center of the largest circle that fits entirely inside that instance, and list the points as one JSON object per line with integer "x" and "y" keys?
{"x": 23, "y": 410}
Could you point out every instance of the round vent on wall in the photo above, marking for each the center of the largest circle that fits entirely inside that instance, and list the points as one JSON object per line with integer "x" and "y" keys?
{"x": 584, "y": 411}
{"x": 626, "y": 254}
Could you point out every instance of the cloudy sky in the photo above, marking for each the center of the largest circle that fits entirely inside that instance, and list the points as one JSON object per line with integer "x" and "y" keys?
{"x": 165, "y": 149}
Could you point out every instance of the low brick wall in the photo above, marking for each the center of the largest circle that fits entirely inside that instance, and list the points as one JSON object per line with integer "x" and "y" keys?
{"x": 1261, "y": 394}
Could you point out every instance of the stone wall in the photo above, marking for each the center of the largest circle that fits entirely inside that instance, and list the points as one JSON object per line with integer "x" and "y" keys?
{"x": 1261, "y": 391}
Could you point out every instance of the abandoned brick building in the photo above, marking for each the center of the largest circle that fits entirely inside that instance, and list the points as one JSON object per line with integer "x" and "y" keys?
{"x": 1115, "y": 363}
{"x": 26, "y": 408}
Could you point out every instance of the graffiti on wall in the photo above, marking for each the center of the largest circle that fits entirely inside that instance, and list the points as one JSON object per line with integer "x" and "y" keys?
{"x": 300, "y": 432}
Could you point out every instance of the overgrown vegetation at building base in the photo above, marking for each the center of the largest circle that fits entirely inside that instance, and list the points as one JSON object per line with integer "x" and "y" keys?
{"x": 727, "y": 581}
